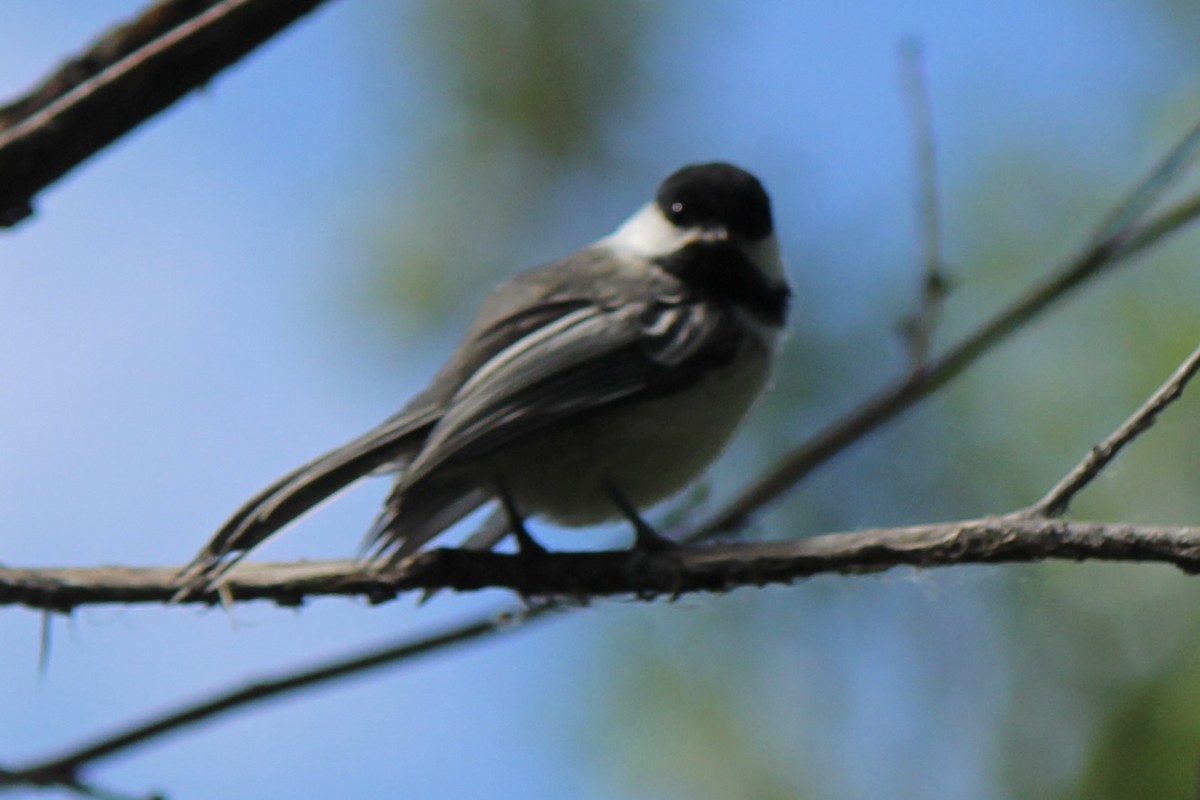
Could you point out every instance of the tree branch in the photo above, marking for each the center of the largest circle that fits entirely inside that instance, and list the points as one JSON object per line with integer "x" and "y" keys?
{"x": 127, "y": 76}
{"x": 708, "y": 568}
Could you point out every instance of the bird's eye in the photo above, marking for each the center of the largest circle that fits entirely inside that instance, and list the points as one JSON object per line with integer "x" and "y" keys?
{"x": 681, "y": 214}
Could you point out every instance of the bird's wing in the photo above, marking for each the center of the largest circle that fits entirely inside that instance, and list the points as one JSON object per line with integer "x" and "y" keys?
{"x": 393, "y": 442}
{"x": 587, "y": 361}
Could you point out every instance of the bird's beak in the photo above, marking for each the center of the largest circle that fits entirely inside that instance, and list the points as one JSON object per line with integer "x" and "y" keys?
{"x": 717, "y": 234}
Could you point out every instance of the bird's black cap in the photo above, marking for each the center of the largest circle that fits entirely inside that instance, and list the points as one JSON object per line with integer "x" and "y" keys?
{"x": 716, "y": 194}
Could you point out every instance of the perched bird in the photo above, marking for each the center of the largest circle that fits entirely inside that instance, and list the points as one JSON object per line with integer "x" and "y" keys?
{"x": 585, "y": 389}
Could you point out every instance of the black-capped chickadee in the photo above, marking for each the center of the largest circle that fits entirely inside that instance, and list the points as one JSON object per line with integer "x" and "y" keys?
{"x": 585, "y": 389}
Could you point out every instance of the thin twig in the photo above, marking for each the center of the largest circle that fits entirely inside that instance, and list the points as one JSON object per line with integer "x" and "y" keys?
{"x": 919, "y": 328}
{"x": 130, "y": 74}
{"x": 1059, "y": 498}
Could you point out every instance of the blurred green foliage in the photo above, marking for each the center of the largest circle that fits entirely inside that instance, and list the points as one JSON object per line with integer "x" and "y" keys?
{"x": 685, "y": 719}
{"x": 538, "y": 77}
{"x": 522, "y": 95}
{"x": 1150, "y": 744}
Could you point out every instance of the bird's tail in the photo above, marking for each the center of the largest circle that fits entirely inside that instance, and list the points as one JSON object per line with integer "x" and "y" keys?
{"x": 293, "y": 495}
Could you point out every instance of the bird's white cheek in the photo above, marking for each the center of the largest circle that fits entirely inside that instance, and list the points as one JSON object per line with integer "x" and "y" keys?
{"x": 647, "y": 234}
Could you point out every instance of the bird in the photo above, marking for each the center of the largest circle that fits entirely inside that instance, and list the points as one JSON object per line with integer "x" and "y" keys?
{"x": 585, "y": 390}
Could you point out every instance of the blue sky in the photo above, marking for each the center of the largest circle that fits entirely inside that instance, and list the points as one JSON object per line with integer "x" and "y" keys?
{"x": 173, "y": 336}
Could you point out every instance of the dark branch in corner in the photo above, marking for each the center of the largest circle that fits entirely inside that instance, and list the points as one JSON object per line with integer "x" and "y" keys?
{"x": 127, "y": 76}
{"x": 709, "y": 568}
